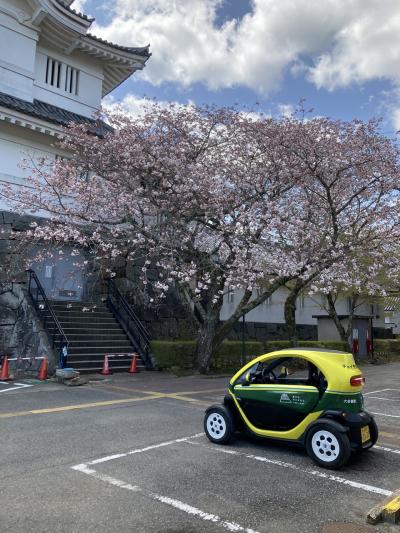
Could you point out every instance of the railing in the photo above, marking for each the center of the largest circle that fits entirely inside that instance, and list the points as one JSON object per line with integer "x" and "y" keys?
{"x": 44, "y": 309}
{"x": 137, "y": 333}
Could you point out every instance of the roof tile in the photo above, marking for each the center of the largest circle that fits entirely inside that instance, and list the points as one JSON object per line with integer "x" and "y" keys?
{"x": 51, "y": 113}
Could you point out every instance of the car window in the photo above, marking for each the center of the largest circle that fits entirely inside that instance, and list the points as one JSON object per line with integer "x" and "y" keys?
{"x": 251, "y": 371}
{"x": 284, "y": 371}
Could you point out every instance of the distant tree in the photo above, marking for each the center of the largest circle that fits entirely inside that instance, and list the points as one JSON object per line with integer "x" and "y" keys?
{"x": 349, "y": 196}
{"x": 217, "y": 199}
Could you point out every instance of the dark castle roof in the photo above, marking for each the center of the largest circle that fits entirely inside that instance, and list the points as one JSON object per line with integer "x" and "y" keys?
{"x": 66, "y": 5}
{"x": 140, "y": 51}
{"x": 51, "y": 113}
{"x": 392, "y": 303}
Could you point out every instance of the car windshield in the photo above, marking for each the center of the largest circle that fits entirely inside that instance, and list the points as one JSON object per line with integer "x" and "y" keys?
{"x": 284, "y": 370}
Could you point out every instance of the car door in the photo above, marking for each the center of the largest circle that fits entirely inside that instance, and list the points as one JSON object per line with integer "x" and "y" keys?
{"x": 279, "y": 402}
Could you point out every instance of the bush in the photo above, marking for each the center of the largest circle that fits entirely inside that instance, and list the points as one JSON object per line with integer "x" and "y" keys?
{"x": 387, "y": 349}
{"x": 173, "y": 353}
{"x": 179, "y": 354}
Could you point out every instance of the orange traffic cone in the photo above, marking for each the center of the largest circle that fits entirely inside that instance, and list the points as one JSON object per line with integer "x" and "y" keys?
{"x": 43, "y": 369}
{"x": 105, "y": 371}
{"x": 133, "y": 369}
{"x": 5, "y": 372}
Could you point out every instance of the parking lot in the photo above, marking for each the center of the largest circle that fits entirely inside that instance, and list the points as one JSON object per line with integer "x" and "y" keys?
{"x": 129, "y": 454}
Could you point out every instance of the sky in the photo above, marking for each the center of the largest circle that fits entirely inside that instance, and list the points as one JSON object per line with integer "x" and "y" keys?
{"x": 341, "y": 56}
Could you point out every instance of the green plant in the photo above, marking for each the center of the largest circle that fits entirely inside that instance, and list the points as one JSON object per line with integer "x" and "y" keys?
{"x": 178, "y": 355}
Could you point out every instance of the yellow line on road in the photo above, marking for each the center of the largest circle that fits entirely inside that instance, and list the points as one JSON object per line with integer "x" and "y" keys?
{"x": 182, "y": 396}
{"x": 184, "y": 393}
{"x": 150, "y": 395}
{"x": 185, "y": 399}
{"x": 76, "y": 407}
{"x": 130, "y": 389}
{"x": 389, "y": 435}
{"x": 222, "y": 390}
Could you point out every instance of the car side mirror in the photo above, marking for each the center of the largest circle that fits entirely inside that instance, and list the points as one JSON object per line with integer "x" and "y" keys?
{"x": 246, "y": 380}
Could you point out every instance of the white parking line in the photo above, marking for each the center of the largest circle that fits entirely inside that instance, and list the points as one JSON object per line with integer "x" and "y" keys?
{"x": 172, "y": 502}
{"x": 283, "y": 464}
{"x": 386, "y": 449}
{"x": 189, "y": 509}
{"x": 380, "y": 398}
{"x": 20, "y": 386}
{"x": 141, "y": 450}
{"x": 384, "y": 414}
{"x": 376, "y": 391}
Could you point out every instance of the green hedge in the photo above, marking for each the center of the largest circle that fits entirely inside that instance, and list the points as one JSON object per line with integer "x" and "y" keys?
{"x": 387, "y": 349}
{"x": 179, "y": 354}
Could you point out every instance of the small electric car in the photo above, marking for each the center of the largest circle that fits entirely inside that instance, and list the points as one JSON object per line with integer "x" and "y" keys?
{"x": 307, "y": 396}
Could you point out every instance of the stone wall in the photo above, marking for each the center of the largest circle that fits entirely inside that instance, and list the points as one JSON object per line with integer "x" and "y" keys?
{"x": 21, "y": 331}
{"x": 12, "y": 265}
{"x": 170, "y": 321}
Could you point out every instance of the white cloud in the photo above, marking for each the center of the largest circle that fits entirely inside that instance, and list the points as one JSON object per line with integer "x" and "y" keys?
{"x": 79, "y": 5}
{"x": 334, "y": 43}
{"x": 346, "y": 41}
{"x": 366, "y": 47}
{"x": 286, "y": 110}
{"x": 396, "y": 118}
{"x": 134, "y": 105}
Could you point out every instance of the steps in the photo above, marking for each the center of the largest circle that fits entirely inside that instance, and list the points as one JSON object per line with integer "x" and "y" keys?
{"x": 93, "y": 333}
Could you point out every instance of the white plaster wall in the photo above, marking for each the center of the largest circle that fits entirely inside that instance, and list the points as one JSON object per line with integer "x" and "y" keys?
{"x": 23, "y": 60}
{"x": 88, "y": 99}
{"x": 392, "y": 320}
{"x": 327, "y": 331}
{"x": 17, "y": 56}
{"x": 17, "y": 143}
{"x": 272, "y": 311}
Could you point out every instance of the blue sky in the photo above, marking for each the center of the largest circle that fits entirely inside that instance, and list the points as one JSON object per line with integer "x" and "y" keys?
{"x": 342, "y": 56}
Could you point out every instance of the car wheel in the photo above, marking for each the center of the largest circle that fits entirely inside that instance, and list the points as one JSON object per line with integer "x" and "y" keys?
{"x": 328, "y": 446}
{"x": 219, "y": 424}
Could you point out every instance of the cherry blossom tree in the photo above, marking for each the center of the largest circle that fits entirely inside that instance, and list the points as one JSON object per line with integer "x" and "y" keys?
{"x": 214, "y": 198}
{"x": 351, "y": 194}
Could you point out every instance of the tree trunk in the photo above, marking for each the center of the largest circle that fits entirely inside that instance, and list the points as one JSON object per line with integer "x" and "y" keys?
{"x": 290, "y": 312}
{"x": 205, "y": 342}
{"x": 211, "y": 333}
{"x": 335, "y": 317}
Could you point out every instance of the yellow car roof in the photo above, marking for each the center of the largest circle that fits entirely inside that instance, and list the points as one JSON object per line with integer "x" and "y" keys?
{"x": 338, "y": 367}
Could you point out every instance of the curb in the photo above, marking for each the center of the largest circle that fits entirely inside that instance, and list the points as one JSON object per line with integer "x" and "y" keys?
{"x": 387, "y": 511}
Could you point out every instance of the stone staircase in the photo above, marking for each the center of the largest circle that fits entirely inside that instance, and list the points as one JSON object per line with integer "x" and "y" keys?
{"x": 93, "y": 332}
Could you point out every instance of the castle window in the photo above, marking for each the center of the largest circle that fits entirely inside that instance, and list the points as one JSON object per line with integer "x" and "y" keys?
{"x": 62, "y": 76}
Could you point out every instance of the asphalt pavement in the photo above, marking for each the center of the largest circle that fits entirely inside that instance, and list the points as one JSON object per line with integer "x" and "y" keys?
{"x": 128, "y": 454}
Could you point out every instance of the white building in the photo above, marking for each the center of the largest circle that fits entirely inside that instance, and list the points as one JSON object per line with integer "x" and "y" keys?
{"x": 53, "y": 71}
{"x": 267, "y": 321}
{"x": 392, "y": 314}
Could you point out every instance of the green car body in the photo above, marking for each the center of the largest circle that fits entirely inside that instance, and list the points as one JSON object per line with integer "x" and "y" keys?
{"x": 327, "y": 396}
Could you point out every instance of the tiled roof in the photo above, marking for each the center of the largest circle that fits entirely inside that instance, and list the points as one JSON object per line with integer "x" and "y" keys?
{"x": 140, "y": 51}
{"x": 81, "y": 15}
{"x": 392, "y": 303}
{"x": 51, "y": 113}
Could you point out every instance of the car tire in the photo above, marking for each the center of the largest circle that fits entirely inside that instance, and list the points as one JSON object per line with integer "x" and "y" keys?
{"x": 219, "y": 424}
{"x": 373, "y": 428}
{"x": 328, "y": 446}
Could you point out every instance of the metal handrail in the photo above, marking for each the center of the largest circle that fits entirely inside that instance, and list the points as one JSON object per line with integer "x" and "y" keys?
{"x": 39, "y": 290}
{"x": 134, "y": 328}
